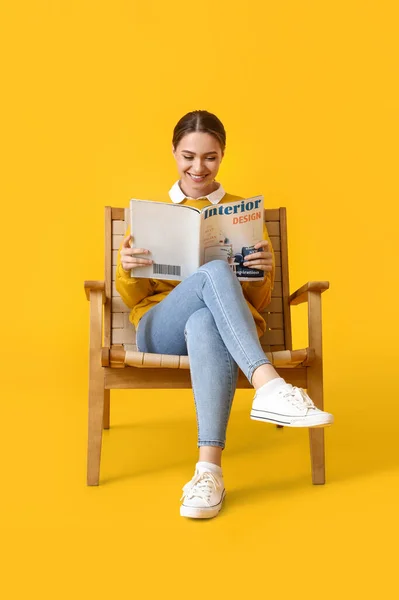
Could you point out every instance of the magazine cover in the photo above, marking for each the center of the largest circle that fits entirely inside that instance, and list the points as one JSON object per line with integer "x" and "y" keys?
{"x": 181, "y": 238}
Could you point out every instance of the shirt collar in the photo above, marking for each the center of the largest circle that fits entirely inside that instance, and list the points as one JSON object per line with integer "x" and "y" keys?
{"x": 177, "y": 196}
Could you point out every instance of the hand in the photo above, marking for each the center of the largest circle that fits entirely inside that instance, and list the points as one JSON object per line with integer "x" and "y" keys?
{"x": 262, "y": 260}
{"x": 128, "y": 256}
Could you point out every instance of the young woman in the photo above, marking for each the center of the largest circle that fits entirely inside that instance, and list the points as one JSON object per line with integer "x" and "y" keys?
{"x": 213, "y": 318}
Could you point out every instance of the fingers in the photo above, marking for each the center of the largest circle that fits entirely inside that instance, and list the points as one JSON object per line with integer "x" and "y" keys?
{"x": 253, "y": 260}
{"x": 129, "y": 260}
{"x": 262, "y": 267}
{"x": 127, "y": 251}
{"x": 125, "y": 243}
{"x": 136, "y": 262}
{"x": 261, "y": 244}
{"x": 133, "y": 259}
{"x": 138, "y": 251}
{"x": 257, "y": 255}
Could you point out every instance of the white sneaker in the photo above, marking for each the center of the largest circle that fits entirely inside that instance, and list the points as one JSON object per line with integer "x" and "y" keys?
{"x": 290, "y": 406}
{"x": 203, "y": 496}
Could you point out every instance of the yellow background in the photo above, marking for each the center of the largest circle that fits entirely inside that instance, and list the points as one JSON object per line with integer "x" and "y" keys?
{"x": 308, "y": 93}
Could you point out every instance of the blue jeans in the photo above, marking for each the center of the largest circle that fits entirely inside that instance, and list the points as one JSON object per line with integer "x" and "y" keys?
{"x": 206, "y": 317}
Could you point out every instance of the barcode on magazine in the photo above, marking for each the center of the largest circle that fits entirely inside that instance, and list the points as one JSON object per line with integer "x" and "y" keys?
{"x": 167, "y": 269}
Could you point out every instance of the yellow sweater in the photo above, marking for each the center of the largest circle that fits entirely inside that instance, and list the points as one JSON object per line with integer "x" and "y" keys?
{"x": 141, "y": 294}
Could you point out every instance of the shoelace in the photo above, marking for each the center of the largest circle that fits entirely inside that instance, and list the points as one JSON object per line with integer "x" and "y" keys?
{"x": 201, "y": 486}
{"x": 296, "y": 396}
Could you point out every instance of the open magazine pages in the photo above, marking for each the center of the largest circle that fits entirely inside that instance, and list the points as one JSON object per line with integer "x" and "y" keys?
{"x": 181, "y": 238}
{"x": 229, "y": 232}
{"x": 172, "y": 236}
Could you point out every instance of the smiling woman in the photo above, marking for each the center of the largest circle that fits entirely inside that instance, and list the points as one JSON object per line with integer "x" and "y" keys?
{"x": 213, "y": 318}
{"x": 199, "y": 158}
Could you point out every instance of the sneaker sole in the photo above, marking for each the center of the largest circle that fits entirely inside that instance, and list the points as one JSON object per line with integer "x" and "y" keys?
{"x": 259, "y": 415}
{"x": 202, "y": 512}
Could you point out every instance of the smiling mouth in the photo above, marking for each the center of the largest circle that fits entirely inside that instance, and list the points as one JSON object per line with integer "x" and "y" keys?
{"x": 197, "y": 177}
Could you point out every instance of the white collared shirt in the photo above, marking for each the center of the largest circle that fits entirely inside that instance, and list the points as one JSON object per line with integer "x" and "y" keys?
{"x": 177, "y": 196}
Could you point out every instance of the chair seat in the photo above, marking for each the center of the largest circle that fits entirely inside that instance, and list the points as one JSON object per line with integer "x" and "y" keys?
{"x": 117, "y": 357}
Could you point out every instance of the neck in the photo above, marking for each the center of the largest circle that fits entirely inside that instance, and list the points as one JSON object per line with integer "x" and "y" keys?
{"x": 212, "y": 187}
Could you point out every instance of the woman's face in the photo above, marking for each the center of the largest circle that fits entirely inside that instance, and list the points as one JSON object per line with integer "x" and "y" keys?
{"x": 198, "y": 154}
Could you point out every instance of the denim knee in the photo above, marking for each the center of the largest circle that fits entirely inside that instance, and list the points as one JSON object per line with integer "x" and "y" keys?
{"x": 216, "y": 267}
{"x": 200, "y": 321}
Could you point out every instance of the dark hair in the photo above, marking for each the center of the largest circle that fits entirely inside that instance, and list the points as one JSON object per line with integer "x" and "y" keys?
{"x": 200, "y": 120}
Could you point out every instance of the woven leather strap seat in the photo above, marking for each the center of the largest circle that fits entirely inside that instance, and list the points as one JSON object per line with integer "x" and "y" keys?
{"x": 118, "y": 357}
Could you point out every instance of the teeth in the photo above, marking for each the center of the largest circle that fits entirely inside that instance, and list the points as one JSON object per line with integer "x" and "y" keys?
{"x": 197, "y": 176}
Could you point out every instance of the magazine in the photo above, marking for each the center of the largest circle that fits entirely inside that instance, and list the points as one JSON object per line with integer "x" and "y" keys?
{"x": 181, "y": 238}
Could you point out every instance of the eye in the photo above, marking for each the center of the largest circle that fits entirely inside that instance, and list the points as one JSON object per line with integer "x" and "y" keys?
{"x": 191, "y": 158}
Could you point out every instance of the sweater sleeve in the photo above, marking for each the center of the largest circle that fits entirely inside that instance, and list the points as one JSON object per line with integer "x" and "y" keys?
{"x": 259, "y": 293}
{"x": 131, "y": 289}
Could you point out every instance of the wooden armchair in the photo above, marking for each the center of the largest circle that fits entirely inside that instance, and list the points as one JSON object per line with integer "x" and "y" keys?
{"x": 115, "y": 363}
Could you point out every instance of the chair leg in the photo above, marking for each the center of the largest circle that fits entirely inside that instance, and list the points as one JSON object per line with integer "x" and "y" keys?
{"x": 316, "y": 439}
{"x": 316, "y": 435}
{"x": 106, "y": 408}
{"x": 97, "y": 392}
{"x": 96, "y": 420}
{"x": 314, "y": 375}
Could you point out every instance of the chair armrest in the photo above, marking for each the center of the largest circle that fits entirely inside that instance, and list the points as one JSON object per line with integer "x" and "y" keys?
{"x": 301, "y": 295}
{"x": 95, "y": 286}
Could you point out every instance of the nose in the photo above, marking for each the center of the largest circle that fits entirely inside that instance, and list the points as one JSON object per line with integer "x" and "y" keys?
{"x": 198, "y": 167}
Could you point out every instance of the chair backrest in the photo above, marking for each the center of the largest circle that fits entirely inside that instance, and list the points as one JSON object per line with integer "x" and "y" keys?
{"x": 118, "y": 330}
